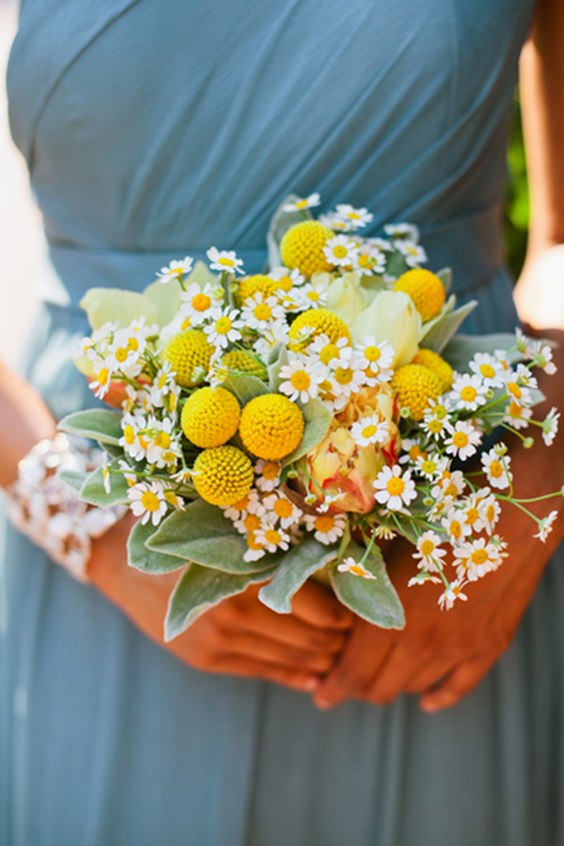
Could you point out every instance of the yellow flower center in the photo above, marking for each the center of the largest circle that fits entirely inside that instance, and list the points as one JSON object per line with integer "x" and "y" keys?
{"x": 270, "y": 470}
{"x": 262, "y": 311}
{"x": 328, "y": 352}
{"x": 343, "y": 375}
{"x": 487, "y": 371}
{"x": 495, "y": 469}
{"x": 434, "y": 426}
{"x": 514, "y": 389}
{"x": 324, "y": 523}
{"x": 223, "y": 325}
{"x": 460, "y": 439}
{"x": 150, "y": 501}
{"x": 313, "y": 296}
{"x": 428, "y": 466}
{"x": 121, "y": 354}
{"x": 395, "y": 486}
{"x": 372, "y": 353}
{"x": 162, "y": 440}
{"x": 252, "y": 542}
{"x": 340, "y": 251}
{"x": 201, "y": 302}
{"x": 283, "y": 508}
{"x": 472, "y": 515}
{"x": 132, "y": 344}
{"x": 479, "y": 556}
{"x": 252, "y": 522}
{"x": 415, "y": 451}
{"x": 103, "y": 376}
{"x": 300, "y": 380}
{"x": 272, "y": 536}
{"x": 185, "y": 324}
{"x": 301, "y": 204}
{"x": 455, "y": 529}
{"x": 129, "y": 434}
{"x": 226, "y": 262}
{"x": 369, "y": 431}
{"x": 357, "y": 570}
{"x": 427, "y": 547}
{"x": 468, "y": 393}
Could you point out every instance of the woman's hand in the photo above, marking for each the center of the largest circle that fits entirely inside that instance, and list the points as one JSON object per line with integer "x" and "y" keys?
{"x": 439, "y": 655}
{"x": 240, "y": 636}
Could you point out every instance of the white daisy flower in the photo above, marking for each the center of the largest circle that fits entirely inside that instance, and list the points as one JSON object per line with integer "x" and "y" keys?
{"x": 370, "y": 259}
{"x": 550, "y": 426}
{"x": 463, "y": 439}
{"x": 147, "y": 500}
{"x": 128, "y": 474}
{"x": 328, "y": 353}
{"x": 455, "y": 525}
{"x": 413, "y": 253}
{"x": 255, "y": 550}
{"x": 302, "y": 203}
{"x": 490, "y": 510}
{"x": 272, "y": 539}
{"x": 224, "y": 260}
{"x": 432, "y": 466}
{"x": 327, "y": 528}
{"x": 175, "y": 270}
{"x": 411, "y": 450}
{"x": 199, "y": 304}
{"x": 436, "y": 417}
{"x": 300, "y": 380}
{"x": 281, "y": 508}
{"x": 517, "y": 392}
{"x": 429, "y": 551}
{"x": 371, "y": 430}
{"x": 356, "y": 217}
{"x": 526, "y": 378}
{"x": 336, "y": 223}
{"x": 394, "y": 489}
{"x": 162, "y": 449}
{"x": 488, "y": 368}
{"x": 260, "y": 312}
{"x": 496, "y": 468}
{"x": 346, "y": 380}
{"x": 402, "y": 230}
{"x": 268, "y": 474}
{"x": 102, "y": 381}
{"x": 545, "y": 526}
{"x": 289, "y": 278}
{"x": 451, "y": 594}
{"x": 467, "y": 392}
{"x": 249, "y": 504}
{"x": 106, "y": 473}
{"x": 308, "y": 296}
{"x": 350, "y": 565}
{"x": 475, "y": 558}
{"x": 517, "y": 415}
{"x": 376, "y": 358}
{"x": 542, "y": 357}
{"x": 340, "y": 251}
{"x": 225, "y": 328}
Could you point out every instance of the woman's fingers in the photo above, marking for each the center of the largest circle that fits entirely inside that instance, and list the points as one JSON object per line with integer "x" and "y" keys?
{"x": 240, "y": 665}
{"x": 249, "y": 645}
{"x": 458, "y": 684}
{"x": 317, "y": 606}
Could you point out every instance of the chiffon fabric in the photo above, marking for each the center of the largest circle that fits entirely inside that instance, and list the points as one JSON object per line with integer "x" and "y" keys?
{"x": 156, "y": 129}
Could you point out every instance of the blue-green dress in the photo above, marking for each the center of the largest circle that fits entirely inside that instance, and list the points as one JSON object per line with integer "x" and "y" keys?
{"x": 153, "y": 129}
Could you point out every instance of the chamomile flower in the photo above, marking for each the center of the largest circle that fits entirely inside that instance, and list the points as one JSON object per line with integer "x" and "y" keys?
{"x": 542, "y": 357}
{"x": 340, "y": 251}
{"x": 545, "y": 526}
{"x": 517, "y": 415}
{"x": 475, "y": 558}
{"x": 376, "y": 358}
{"x": 128, "y": 474}
{"x": 451, "y": 594}
{"x": 429, "y": 551}
{"x": 102, "y": 380}
{"x": 327, "y": 528}
{"x": 355, "y": 568}
{"x": 300, "y": 380}
{"x": 336, "y": 223}
{"x": 447, "y": 489}
{"x": 550, "y": 426}
{"x": 411, "y": 451}
{"x": 370, "y": 260}
{"x": 328, "y": 353}
{"x": 471, "y": 511}
{"x": 175, "y": 270}
{"x": 289, "y": 278}
{"x": 358, "y": 218}
{"x": 162, "y": 448}
{"x": 436, "y": 417}
{"x": 302, "y": 203}
{"x": 345, "y": 380}
{"x": 199, "y": 304}
{"x": 260, "y": 312}
{"x": 488, "y": 368}
{"x": 394, "y": 489}
{"x": 432, "y": 466}
{"x": 249, "y": 504}
{"x": 133, "y": 442}
{"x": 496, "y": 468}
{"x": 490, "y": 510}
{"x": 165, "y": 390}
{"x": 272, "y": 539}
{"x": 279, "y": 507}
{"x": 125, "y": 356}
{"x": 402, "y": 230}
{"x": 308, "y": 296}
{"x": 147, "y": 501}
{"x": 106, "y": 473}
{"x": 463, "y": 439}
{"x": 413, "y": 253}
{"x": 268, "y": 475}
{"x": 515, "y": 389}
{"x": 455, "y": 525}
{"x": 224, "y": 260}
{"x": 225, "y": 328}
{"x": 371, "y": 430}
{"x": 467, "y": 392}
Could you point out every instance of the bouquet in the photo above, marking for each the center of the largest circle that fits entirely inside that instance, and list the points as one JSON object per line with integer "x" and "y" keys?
{"x": 274, "y": 427}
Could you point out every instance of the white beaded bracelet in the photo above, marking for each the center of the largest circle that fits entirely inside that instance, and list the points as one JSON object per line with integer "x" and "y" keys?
{"x": 49, "y": 510}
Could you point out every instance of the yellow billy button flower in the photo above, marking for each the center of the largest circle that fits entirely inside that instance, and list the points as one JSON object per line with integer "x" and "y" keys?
{"x": 436, "y": 363}
{"x": 258, "y": 284}
{"x": 189, "y": 354}
{"x": 244, "y": 362}
{"x": 223, "y": 475}
{"x": 425, "y": 289}
{"x": 271, "y": 426}
{"x": 302, "y": 247}
{"x": 210, "y": 417}
{"x": 317, "y": 321}
{"x": 414, "y": 385}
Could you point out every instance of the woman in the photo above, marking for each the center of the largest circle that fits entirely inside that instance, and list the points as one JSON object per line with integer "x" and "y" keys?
{"x": 155, "y": 130}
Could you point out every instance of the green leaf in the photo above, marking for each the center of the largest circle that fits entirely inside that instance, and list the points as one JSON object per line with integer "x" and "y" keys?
{"x": 375, "y": 600}
{"x": 147, "y": 560}
{"x": 97, "y": 423}
{"x": 113, "y": 304}
{"x": 279, "y": 358}
{"x": 438, "y": 332}
{"x": 73, "y": 478}
{"x": 296, "y": 567}
{"x": 445, "y": 275}
{"x": 280, "y": 223}
{"x": 317, "y": 422}
{"x": 93, "y": 490}
{"x": 202, "y": 534}
{"x": 199, "y": 589}
{"x": 245, "y": 387}
{"x": 165, "y": 297}
{"x": 463, "y": 348}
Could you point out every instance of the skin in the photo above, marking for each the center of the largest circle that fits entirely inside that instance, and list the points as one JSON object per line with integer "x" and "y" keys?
{"x": 443, "y": 656}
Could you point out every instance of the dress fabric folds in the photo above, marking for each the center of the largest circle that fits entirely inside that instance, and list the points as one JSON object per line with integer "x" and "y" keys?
{"x": 153, "y": 130}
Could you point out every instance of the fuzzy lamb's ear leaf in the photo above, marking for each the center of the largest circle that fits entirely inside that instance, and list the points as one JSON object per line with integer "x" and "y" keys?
{"x": 438, "y": 332}
{"x": 147, "y": 560}
{"x": 462, "y": 349}
{"x": 301, "y": 562}
{"x": 317, "y": 422}
{"x": 97, "y": 423}
{"x": 199, "y": 589}
{"x": 73, "y": 478}
{"x": 244, "y": 386}
{"x": 202, "y": 534}
{"x": 94, "y": 492}
{"x": 375, "y": 600}
{"x": 280, "y": 223}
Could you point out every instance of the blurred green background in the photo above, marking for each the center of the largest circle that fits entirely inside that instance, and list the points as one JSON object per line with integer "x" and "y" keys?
{"x": 516, "y": 220}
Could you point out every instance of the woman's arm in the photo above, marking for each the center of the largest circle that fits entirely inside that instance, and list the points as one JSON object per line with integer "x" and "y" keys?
{"x": 457, "y": 648}
{"x": 240, "y": 636}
